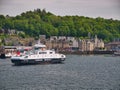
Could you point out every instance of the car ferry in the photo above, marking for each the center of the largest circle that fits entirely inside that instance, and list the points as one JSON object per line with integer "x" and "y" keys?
{"x": 39, "y": 54}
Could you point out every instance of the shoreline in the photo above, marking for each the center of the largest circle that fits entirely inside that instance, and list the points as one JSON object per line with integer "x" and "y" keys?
{"x": 87, "y": 52}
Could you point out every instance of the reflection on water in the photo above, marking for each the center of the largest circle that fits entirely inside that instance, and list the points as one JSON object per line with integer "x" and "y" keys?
{"x": 76, "y": 73}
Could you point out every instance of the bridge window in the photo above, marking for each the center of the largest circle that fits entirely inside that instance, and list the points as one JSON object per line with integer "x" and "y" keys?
{"x": 51, "y": 52}
{"x": 42, "y": 52}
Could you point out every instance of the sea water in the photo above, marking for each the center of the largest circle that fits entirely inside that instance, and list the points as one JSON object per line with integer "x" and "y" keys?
{"x": 76, "y": 73}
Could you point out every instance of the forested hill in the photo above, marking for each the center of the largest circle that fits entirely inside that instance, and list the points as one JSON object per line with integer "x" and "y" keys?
{"x": 37, "y": 22}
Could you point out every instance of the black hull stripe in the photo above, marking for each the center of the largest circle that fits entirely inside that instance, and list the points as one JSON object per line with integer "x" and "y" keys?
{"x": 33, "y": 61}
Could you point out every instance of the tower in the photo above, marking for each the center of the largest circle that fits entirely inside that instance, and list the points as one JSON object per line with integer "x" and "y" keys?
{"x": 96, "y": 40}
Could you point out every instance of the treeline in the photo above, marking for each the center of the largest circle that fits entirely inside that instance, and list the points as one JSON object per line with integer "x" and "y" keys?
{"x": 37, "y": 22}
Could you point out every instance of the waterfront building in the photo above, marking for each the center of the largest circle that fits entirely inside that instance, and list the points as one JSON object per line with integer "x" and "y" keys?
{"x": 86, "y": 45}
{"x": 62, "y": 37}
{"x": 53, "y": 38}
{"x": 57, "y": 43}
{"x": 90, "y": 44}
{"x": 98, "y": 43}
{"x": 113, "y": 46}
{"x": 82, "y": 45}
{"x": 72, "y": 43}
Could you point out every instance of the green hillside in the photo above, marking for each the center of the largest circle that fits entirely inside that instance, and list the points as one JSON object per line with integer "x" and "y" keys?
{"x": 37, "y": 22}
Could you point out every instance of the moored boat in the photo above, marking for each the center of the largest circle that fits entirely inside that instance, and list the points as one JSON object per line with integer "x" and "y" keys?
{"x": 39, "y": 54}
{"x": 117, "y": 53}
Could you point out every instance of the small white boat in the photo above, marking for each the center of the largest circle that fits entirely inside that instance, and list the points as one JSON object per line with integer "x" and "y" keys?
{"x": 117, "y": 53}
{"x": 39, "y": 54}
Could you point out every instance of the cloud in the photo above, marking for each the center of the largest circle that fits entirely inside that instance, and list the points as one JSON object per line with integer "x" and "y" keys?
{"x": 92, "y": 8}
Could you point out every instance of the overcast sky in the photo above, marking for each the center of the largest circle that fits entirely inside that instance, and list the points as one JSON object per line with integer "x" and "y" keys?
{"x": 90, "y": 8}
